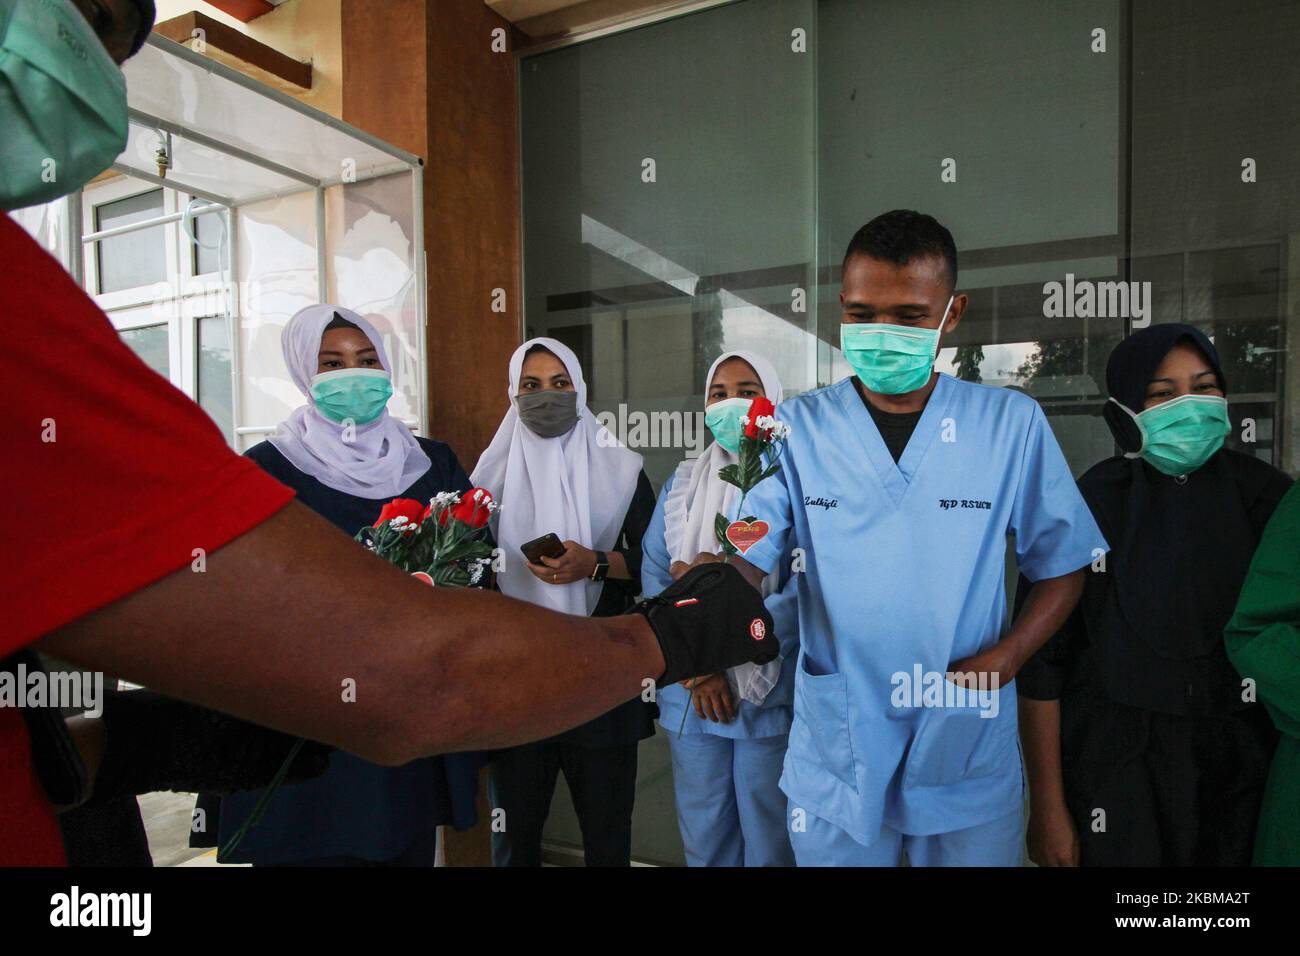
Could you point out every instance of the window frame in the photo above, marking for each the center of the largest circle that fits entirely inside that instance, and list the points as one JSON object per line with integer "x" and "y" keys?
{"x": 180, "y": 301}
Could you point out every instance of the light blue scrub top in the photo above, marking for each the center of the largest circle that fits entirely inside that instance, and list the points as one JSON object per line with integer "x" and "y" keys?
{"x": 905, "y": 568}
{"x": 774, "y": 716}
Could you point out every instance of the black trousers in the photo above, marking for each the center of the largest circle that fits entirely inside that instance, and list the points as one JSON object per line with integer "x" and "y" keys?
{"x": 602, "y": 781}
{"x": 1189, "y": 797}
{"x": 106, "y": 833}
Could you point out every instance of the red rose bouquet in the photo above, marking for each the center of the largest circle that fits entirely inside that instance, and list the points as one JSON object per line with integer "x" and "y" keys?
{"x": 441, "y": 544}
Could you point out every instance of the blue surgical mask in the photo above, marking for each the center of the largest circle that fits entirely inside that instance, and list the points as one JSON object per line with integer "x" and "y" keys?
{"x": 723, "y": 419}
{"x": 63, "y": 112}
{"x": 1182, "y": 434}
{"x": 892, "y": 359}
{"x": 358, "y": 395}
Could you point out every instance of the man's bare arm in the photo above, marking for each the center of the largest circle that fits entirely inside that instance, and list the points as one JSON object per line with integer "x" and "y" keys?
{"x": 1040, "y": 733}
{"x": 286, "y": 614}
{"x": 1047, "y": 606}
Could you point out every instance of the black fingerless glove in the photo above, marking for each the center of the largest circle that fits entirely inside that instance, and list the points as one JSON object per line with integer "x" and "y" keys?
{"x": 709, "y": 619}
{"x": 159, "y": 743}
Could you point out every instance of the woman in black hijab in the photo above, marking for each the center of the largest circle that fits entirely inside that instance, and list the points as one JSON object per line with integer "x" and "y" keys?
{"x": 1142, "y": 744}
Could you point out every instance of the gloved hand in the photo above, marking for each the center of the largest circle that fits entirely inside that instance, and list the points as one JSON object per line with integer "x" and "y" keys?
{"x": 160, "y": 743}
{"x": 707, "y": 620}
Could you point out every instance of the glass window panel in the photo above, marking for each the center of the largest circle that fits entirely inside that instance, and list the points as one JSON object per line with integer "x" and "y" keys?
{"x": 136, "y": 258}
{"x": 151, "y": 344}
{"x": 1027, "y": 120}
{"x": 208, "y": 252}
{"x": 1216, "y": 205}
{"x": 668, "y": 208}
{"x": 213, "y": 373}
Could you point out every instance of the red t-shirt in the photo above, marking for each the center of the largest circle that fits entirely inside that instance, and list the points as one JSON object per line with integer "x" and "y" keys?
{"x": 111, "y": 479}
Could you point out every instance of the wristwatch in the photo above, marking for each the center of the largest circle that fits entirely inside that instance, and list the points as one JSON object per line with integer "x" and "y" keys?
{"x": 601, "y": 570}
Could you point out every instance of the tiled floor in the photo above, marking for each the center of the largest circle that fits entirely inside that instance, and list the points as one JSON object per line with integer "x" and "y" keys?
{"x": 167, "y": 819}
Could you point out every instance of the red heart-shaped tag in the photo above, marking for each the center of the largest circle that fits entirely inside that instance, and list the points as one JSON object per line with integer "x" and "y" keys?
{"x": 745, "y": 534}
{"x": 421, "y": 576}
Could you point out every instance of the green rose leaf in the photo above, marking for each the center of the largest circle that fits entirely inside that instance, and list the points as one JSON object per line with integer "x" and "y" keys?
{"x": 731, "y": 475}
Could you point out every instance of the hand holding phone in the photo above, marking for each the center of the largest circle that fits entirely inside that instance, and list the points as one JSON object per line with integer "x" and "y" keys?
{"x": 547, "y": 546}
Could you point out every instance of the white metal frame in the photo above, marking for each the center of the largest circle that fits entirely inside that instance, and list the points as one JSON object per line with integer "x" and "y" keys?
{"x": 127, "y": 305}
{"x": 93, "y": 197}
{"x": 622, "y": 25}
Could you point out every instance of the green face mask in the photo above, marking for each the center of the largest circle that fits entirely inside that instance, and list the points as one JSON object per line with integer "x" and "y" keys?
{"x": 1181, "y": 435}
{"x": 892, "y": 359}
{"x": 62, "y": 102}
{"x": 723, "y": 419}
{"x": 358, "y": 395}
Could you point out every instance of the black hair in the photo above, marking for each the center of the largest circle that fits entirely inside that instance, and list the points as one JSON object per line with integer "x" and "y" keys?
{"x": 902, "y": 235}
{"x": 338, "y": 322}
{"x": 147, "y": 16}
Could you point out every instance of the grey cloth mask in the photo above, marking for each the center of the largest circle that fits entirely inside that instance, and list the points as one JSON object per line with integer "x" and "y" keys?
{"x": 548, "y": 414}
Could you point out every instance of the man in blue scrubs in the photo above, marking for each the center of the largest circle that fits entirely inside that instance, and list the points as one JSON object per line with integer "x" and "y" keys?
{"x": 898, "y": 489}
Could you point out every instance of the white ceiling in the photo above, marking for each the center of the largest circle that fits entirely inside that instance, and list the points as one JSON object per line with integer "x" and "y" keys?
{"x": 549, "y": 18}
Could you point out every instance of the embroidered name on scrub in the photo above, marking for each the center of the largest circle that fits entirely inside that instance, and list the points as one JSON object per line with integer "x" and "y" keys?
{"x": 947, "y": 503}
{"x": 826, "y": 503}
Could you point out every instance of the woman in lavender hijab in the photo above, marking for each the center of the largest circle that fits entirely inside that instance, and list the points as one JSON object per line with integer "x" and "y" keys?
{"x": 346, "y": 456}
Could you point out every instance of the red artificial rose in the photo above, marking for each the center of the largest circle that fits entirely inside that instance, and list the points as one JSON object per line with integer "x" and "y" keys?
{"x": 468, "y": 511}
{"x": 401, "y": 508}
{"x": 759, "y": 408}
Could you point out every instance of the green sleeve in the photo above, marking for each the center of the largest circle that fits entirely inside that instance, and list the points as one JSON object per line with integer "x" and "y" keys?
{"x": 1263, "y": 637}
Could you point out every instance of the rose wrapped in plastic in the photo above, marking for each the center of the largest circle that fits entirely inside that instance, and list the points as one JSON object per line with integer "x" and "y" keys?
{"x": 762, "y": 440}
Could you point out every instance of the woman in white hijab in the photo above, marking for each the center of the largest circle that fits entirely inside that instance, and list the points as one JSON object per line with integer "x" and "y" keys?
{"x": 728, "y": 736}
{"x": 554, "y": 469}
{"x": 346, "y": 457}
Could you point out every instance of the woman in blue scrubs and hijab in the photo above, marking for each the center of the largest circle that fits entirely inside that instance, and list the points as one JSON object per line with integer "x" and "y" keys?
{"x": 727, "y": 732}
{"x": 346, "y": 457}
{"x": 1143, "y": 745}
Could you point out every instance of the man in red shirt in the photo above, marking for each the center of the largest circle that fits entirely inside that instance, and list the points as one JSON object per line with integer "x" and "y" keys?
{"x": 115, "y": 484}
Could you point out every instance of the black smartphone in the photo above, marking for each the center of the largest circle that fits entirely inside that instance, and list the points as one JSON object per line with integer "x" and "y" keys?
{"x": 547, "y": 546}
